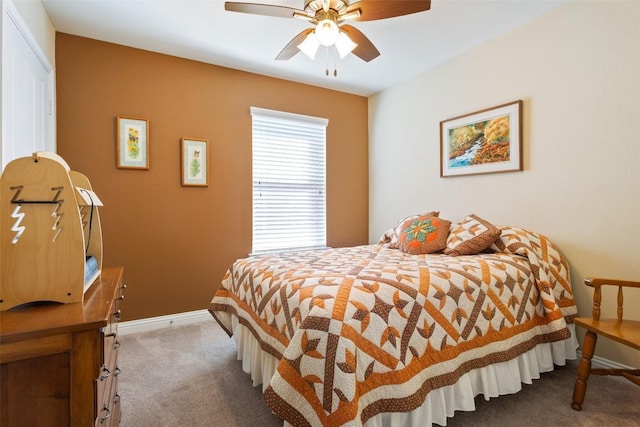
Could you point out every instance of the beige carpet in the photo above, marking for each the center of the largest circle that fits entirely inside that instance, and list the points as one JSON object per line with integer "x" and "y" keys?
{"x": 190, "y": 376}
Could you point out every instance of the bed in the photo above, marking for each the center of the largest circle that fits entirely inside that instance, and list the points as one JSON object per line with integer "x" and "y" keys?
{"x": 372, "y": 335}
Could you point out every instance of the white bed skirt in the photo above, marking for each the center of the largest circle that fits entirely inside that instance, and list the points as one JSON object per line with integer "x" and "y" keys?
{"x": 491, "y": 381}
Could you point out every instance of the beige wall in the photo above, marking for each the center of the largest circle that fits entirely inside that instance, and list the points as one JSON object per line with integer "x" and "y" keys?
{"x": 36, "y": 18}
{"x": 576, "y": 69}
{"x": 177, "y": 242}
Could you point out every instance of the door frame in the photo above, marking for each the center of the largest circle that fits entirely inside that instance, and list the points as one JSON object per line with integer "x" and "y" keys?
{"x": 11, "y": 16}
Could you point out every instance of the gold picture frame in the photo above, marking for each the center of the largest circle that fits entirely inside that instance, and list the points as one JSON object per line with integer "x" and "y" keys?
{"x": 194, "y": 164}
{"x": 486, "y": 141}
{"x": 132, "y": 146}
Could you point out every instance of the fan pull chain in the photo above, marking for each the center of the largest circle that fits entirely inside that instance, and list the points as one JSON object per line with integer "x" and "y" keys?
{"x": 326, "y": 72}
{"x": 335, "y": 64}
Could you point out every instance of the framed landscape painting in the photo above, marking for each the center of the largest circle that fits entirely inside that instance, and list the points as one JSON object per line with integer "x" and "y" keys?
{"x": 486, "y": 141}
{"x": 195, "y": 162}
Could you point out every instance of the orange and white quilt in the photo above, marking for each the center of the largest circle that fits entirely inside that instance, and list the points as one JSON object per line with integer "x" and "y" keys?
{"x": 367, "y": 329}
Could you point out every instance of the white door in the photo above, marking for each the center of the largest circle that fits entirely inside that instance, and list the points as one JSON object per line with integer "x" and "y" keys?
{"x": 27, "y": 91}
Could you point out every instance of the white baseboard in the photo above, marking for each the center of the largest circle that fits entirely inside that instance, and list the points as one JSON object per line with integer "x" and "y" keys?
{"x": 601, "y": 362}
{"x": 159, "y": 322}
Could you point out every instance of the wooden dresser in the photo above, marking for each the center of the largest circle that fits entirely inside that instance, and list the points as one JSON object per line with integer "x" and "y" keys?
{"x": 58, "y": 362}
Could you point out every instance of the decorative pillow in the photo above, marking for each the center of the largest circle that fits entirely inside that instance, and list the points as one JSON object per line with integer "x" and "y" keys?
{"x": 471, "y": 236}
{"x": 425, "y": 234}
{"x": 390, "y": 237}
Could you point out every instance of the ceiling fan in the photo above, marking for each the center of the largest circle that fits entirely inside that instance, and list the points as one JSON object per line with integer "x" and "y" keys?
{"x": 328, "y": 18}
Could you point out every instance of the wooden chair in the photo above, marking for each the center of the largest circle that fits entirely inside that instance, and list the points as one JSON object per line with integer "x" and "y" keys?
{"x": 623, "y": 331}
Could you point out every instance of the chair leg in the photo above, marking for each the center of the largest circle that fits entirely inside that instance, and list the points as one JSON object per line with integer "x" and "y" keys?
{"x": 584, "y": 369}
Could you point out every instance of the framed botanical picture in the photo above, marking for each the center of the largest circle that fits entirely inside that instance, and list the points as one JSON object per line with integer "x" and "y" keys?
{"x": 195, "y": 162}
{"x": 487, "y": 141}
{"x": 132, "y": 143}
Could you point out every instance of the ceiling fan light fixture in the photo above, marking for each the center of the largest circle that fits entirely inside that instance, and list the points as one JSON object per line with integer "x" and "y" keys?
{"x": 328, "y": 19}
{"x": 344, "y": 45}
{"x": 327, "y": 32}
{"x": 309, "y": 45}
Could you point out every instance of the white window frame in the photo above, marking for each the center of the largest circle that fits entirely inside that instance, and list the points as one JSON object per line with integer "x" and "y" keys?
{"x": 288, "y": 181}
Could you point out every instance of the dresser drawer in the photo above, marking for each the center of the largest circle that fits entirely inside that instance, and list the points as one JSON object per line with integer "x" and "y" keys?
{"x": 109, "y": 411}
{"x": 107, "y": 397}
{"x": 115, "y": 315}
{"x": 59, "y": 362}
{"x": 106, "y": 379}
{"x": 115, "y": 405}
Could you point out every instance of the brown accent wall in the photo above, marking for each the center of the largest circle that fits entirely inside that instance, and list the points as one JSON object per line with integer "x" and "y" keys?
{"x": 177, "y": 242}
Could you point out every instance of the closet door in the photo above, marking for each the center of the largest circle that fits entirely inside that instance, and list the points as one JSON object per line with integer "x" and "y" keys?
{"x": 27, "y": 91}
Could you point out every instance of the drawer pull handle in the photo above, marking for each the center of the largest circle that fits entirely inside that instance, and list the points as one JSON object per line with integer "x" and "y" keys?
{"x": 112, "y": 334}
{"x": 116, "y": 372}
{"x": 121, "y": 297}
{"x": 105, "y": 373}
{"x": 116, "y": 399}
{"x": 116, "y": 345}
{"x": 106, "y": 416}
{"x": 117, "y": 315}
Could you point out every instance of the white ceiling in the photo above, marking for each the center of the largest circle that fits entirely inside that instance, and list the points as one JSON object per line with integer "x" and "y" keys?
{"x": 203, "y": 31}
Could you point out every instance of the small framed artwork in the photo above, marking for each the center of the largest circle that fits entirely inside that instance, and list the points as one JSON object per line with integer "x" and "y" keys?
{"x": 195, "y": 162}
{"x": 132, "y": 143}
{"x": 486, "y": 141}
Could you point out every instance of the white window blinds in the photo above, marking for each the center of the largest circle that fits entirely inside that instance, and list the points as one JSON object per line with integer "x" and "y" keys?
{"x": 289, "y": 185}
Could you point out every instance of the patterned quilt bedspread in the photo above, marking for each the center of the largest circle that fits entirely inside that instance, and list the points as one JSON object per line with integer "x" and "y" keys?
{"x": 368, "y": 329}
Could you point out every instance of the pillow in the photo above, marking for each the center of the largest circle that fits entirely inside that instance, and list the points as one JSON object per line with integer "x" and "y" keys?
{"x": 390, "y": 237}
{"x": 471, "y": 236}
{"x": 425, "y": 234}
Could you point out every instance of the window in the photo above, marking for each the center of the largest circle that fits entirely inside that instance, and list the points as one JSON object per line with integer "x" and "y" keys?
{"x": 289, "y": 185}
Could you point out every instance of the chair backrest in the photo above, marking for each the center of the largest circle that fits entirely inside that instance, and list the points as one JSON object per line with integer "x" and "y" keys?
{"x": 597, "y": 295}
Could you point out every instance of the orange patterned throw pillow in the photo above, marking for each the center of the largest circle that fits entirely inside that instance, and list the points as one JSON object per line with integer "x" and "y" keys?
{"x": 423, "y": 235}
{"x": 390, "y": 237}
{"x": 471, "y": 236}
